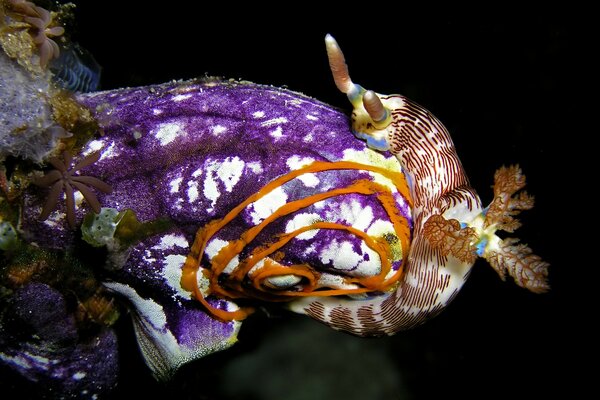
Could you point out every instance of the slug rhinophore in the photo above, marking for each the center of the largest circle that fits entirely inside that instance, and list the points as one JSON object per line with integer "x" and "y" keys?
{"x": 450, "y": 226}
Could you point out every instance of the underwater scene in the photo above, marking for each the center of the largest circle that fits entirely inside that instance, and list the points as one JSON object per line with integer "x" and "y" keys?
{"x": 207, "y": 203}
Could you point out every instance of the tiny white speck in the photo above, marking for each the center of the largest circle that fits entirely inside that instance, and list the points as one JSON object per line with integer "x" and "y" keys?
{"x": 197, "y": 173}
{"x": 181, "y": 97}
{"x": 276, "y": 133}
{"x": 109, "y": 152}
{"x": 78, "y": 198}
{"x": 319, "y": 204}
{"x": 274, "y": 121}
{"x": 309, "y": 250}
{"x": 258, "y": 114}
{"x": 157, "y": 111}
{"x": 94, "y": 145}
{"x": 174, "y": 184}
{"x": 178, "y": 204}
{"x": 312, "y": 117}
{"x": 218, "y": 129}
{"x": 192, "y": 191}
{"x": 79, "y": 375}
{"x": 308, "y": 138}
{"x": 54, "y": 219}
{"x": 255, "y": 166}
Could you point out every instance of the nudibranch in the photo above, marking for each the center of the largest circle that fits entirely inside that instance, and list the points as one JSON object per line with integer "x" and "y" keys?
{"x": 451, "y": 228}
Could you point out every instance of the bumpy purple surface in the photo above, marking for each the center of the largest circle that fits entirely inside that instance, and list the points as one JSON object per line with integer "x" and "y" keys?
{"x": 190, "y": 152}
{"x": 39, "y": 341}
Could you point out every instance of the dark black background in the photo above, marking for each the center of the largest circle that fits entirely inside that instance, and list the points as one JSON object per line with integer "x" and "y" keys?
{"x": 503, "y": 83}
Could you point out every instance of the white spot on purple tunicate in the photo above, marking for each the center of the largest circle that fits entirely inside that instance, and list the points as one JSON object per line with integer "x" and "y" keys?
{"x": 340, "y": 255}
{"x": 178, "y": 204}
{"x": 357, "y": 215}
{"x": 172, "y": 269}
{"x": 258, "y": 266}
{"x": 168, "y": 132}
{"x": 54, "y": 219}
{"x": 175, "y": 184}
{"x": 309, "y": 250}
{"x": 93, "y": 146}
{"x": 311, "y": 117}
{"x": 181, "y": 97}
{"x": 218, "y": 129}
{"x": 255, "y": 166}
{"x": 309, "y": 180}
{"x": 302, "y": 220}
{"x": 157, "y": 111}
{"x": 274, "y": 121}
{"x": 295, "y": 162}
{"x": 197, "y": 173}
{"x": 171, "y": 240}
{"x": 276, "y": 133}
{"x": 232, "y": 265}
{"x": 370, "y": 266}
{"x": 258, "y": 114}
{"x": 79, "y": 375}
{"x": 319, "y": 205}
{"x": 267, "y": 205}
{"x": 148, "y": 257}
{"x": 230, "y": 172}
{"x": 214, "y": 246}
{"x": 192, "y": 191}
{"x": 211, "y": 189}
{"x": 109, "y": 152}
{"x": 308, "y": 138}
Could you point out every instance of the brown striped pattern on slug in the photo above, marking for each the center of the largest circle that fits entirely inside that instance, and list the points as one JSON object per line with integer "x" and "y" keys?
{"x": 425, "y": 149}
{"x": 438, "y": 185}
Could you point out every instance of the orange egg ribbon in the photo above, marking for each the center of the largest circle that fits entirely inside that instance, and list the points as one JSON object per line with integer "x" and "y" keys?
{"x": 269, "y": 253}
